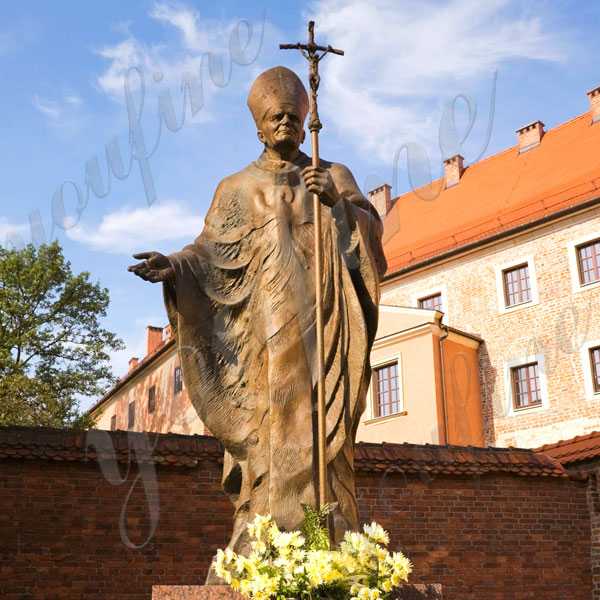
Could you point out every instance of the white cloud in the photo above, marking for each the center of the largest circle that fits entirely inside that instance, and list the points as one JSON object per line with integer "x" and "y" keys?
{"x": 186, "y": 20}
{"x": 64, "y": 113}
{"x": 172, "y": 62}
{"x": 404, "y": 58}
{"x": 139, "y": 229}
{"x": 49, "y": 108}
{"x": 9, "y": 230}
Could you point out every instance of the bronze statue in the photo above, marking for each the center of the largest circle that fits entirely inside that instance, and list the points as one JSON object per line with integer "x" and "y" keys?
{"x": 242, "y": 299}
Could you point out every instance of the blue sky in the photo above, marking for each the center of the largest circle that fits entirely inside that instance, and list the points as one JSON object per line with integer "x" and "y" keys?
{"x": 64, "y": 68}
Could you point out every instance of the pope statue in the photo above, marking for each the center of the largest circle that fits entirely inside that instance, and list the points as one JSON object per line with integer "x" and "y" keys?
{"x": 241, "y": 301}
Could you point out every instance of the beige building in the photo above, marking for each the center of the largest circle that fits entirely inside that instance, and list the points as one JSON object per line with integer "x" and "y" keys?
{"x": 434, "y": 370}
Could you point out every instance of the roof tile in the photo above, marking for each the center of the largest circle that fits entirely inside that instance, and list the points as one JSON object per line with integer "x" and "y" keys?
{"x": 185, "y": 450}
{"x": 496, "y": 194}
{"x": 574, "y": 450}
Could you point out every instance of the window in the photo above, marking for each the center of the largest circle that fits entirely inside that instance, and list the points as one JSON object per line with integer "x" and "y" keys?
{"x": 517, "y": 285}
{"x": 177, "y": 383}
{"x": 526, "y": 386}
{"x": 131, "y": 415}
{"x": 386, "y": 393}
{"x": 588, "y": 260}
{"x": 433, "y": 302}
{"x": 152, "y": 399}
{"x": 113, "y": 422}
{"x": 595, "y": 366}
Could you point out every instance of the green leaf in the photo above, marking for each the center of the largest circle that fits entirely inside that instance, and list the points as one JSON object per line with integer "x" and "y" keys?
{"x": 314, "y": 527}
{"x": 53, "y": 348}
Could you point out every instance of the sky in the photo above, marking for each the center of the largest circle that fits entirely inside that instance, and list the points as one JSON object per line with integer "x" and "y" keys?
{"x": 120, "y": 118}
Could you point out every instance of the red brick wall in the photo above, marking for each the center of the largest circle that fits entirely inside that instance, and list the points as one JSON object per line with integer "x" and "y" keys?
{"x": 489, "y": 538}
{"x": 594, "y": 506}
{"x": 495, "y": 537}
{"x": 60, "y": 535}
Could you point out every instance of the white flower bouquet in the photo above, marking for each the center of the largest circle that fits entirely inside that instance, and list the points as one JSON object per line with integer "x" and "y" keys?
{"x": 300, "y": 564}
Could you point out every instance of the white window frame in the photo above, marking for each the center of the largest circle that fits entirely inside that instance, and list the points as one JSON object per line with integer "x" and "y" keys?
{"x": 588, "y": 377}
{"x": 572, "y": 245}
{"x": 500, "y": 269}
{"x": 508, "y": 385}
{"x": 425, "y": 293}
{"x": 382, "y": 362}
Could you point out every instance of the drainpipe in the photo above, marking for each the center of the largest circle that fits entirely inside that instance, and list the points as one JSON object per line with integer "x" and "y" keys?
{"x": 444, "y": 328}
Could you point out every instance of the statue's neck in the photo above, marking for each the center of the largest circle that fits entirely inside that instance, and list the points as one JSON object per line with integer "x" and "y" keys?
{"x": 277, "y": 154}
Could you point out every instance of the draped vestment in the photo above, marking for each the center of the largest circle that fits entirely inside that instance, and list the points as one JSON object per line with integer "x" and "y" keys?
{"x": 242, "y": 304}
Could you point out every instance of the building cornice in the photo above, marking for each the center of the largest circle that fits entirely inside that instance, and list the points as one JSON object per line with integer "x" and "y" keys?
{"x": 489, "y": 240}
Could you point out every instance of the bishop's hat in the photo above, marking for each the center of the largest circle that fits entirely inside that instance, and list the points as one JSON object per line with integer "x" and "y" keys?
{"x": 278, "y": 85}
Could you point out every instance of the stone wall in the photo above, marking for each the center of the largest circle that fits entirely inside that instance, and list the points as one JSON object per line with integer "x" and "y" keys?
{"x": 109, "y": 516}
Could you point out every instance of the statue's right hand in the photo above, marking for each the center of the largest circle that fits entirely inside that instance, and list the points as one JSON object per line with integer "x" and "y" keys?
{"x": 154, "y": 267}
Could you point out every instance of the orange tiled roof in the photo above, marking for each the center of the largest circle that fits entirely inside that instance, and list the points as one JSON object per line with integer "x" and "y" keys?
{"x": 187, "y": 450}
{"x": 577, "y": 449}
{"x": 496, "y": 194}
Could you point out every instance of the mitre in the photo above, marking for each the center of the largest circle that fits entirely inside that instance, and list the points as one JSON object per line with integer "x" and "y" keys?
{"x": 277, "y": 86}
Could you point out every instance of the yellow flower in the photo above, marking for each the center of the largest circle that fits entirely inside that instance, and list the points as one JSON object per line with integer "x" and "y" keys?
{"x": 374, "y": 594}
{"x": 376, "y": 533}
{"x": 278, "y": 564}
{"x": 401, "y": 565}
{"x": 363, "y": 593}
{"x": 259, "y": 547}
{"x": 259, "y": 526}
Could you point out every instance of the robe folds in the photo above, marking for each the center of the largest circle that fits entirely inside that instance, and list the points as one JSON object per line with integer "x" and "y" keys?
{"x": 242, "y": 305}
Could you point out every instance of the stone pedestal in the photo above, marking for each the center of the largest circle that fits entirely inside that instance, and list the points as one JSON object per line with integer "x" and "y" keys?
{"x": 224, "y": 592}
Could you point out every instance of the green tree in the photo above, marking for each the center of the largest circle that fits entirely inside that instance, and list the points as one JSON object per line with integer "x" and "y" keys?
{"x": 53, "y": 349}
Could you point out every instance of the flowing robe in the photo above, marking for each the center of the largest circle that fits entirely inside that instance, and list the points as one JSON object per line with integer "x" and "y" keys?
{"x": 242, "y": 305}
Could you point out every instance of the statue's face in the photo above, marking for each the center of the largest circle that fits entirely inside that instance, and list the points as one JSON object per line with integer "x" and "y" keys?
{"x": 281, "y": 127}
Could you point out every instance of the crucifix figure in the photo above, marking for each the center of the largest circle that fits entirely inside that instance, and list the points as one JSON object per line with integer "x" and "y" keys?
{"x": 242, "y": 300}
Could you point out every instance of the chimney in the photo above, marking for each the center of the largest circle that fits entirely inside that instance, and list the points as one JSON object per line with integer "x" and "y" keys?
{"x": 154, "y": 338}
{"x": 381, "y": 199}
{"x": 530, "y": 136}
{"x": 594, "y": 98}
{"x": 134, "y": 361}
{"x": 453, "y": 169}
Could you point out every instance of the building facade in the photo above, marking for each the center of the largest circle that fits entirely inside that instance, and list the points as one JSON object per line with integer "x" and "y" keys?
{"x": 152, "y": 395}
{"x": 509, "y": 250}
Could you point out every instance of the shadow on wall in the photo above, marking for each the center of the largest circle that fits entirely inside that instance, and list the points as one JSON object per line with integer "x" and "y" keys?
{"x": 487, "y": 380}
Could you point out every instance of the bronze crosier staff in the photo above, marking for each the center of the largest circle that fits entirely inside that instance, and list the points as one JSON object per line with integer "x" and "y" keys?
{"x": 314, "y": 53}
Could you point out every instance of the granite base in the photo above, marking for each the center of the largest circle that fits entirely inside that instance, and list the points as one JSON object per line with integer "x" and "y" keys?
{"x": 224, "y": 592}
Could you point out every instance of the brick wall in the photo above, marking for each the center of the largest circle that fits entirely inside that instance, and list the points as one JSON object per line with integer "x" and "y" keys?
{"x": 555, "y": 327}
{"x": 498, "y": 537}
{"x": 594, "y": 508}
{"x": 491, "y": 536}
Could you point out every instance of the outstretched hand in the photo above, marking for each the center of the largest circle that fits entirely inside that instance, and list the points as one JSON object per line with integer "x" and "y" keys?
{"x": 154, "y": 268}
